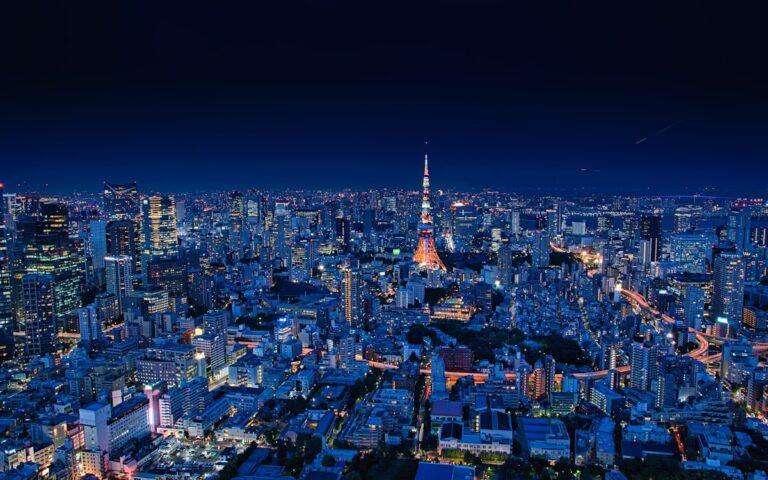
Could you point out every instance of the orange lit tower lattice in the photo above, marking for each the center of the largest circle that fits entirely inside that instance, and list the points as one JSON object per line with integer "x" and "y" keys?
{"x": 425, "y": 255}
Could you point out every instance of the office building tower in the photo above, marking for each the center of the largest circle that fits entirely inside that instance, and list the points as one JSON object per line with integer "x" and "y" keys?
{"x": 693, "y": 306}
{"x": 343, "y": 233}
{"x": 739, "y": 226}
{"x": 300, "y": 266}
{"x": 643, "y": 366}
{"x": 39, "y": 314}
{"x": 98, "y": 245}
{"x": 90, "y": 324}
{"x": 540, "y": 250}
{"x": 351, "y": 296}
{"x": 281, "y": 222}
{"x": 506, "y": 266}
{"x": 201, "y": 290}
{"x": 439, "y": 390}
{"x": 119, "y": 278}
{"x": 650, "y": 238}
{"x": 464, "y": 222}
{"x": 514, "y": 222}
{"x": 554, "y": 222}
{"x": 549, "y": 376}
{"x": 121, "y": 201}
{"x": 7, "y": 322}
{"x": 159, "y": 239}
{"x": 123, "y": 239}
{"x": 46, "y": 249}
{"x": 728, "y": 286}
{"x": 425, "y": 256}
{"x": 689, "y": 251}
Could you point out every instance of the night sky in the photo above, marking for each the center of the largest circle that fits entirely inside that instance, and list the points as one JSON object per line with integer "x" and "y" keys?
{"x": 632, "y": 97}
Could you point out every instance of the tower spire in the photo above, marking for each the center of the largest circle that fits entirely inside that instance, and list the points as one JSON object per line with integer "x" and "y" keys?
{"x": 426, "y": 253}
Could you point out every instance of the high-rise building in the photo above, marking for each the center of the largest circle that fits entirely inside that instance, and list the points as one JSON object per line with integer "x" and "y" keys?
{"x": 425, "y": 256}
{"x": 351, "y": 296}
{"x": 554, "y": 222}
{"x": 650, "y": 238}
{"x": 693, "y": 306}
{"x": 514, "y": 222}
{"x": 643, "y": 366}
{"x": 98, "y": 245}
{"x": 123, "y": 239}
{"x": 690, "y": 251}
{"x": 119, "y": 275}
{"x": 159, "y": 239}
{"x": 540, "y": 250}
{"x": 121, "y": 201}
{"x": 506, "y": 266}
{"x": 739, "y": 225}
{"x": 6, "y": 288}
{"x": 439, "y": 391}
{"x": 464, "y": 222}
{"x": 39, "y": 314}
{"x": 728, "y": 286}
{"x": 44, "y": 238}
{"x": 549, "y": 376}
{"x": 90, "y": 323}
{"x": 343, "y": 232}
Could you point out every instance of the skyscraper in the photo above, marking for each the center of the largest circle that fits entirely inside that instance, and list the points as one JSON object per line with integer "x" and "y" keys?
{"x": 44, "y": 239}
{"x": 39, "y": 314}
{"x": 693, "y": 306}
{"x": 739, "y": 225}
{"x": 159, "y": 239}
{"x": 690, "y": 251}
{"x": 119, "y": 273}
{"x": 650, "y": 238}
{"x": 121, "y": 201}
{"x": 280, "y": 224}
{"x": 343, "y": 227}
{"x": 6, "y": 288}
{"x": 90, "y": 323}
{"x": 439, "y": 391}
{"x": 540, "y": 250}
{"x": 123, "y": 239}
{"x": 728, "y": 286}
{"x": 351, "y": 296}
{"x": 98, "y": 245}
{"x": 643, "y": 366}
{"x": 425, "y": 255}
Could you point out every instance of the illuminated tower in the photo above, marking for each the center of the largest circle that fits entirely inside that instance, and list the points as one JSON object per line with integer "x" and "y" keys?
{"x": 425, "y": 255}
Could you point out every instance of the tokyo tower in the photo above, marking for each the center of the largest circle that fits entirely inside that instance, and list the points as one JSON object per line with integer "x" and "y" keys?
{"x": 425, "y": 255}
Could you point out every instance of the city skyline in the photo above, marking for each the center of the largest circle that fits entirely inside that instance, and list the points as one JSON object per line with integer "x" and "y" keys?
{"x": 346, "y": 240}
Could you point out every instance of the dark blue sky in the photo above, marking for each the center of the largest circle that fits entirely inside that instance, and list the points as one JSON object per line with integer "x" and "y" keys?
{"x": 514, "y": 95}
